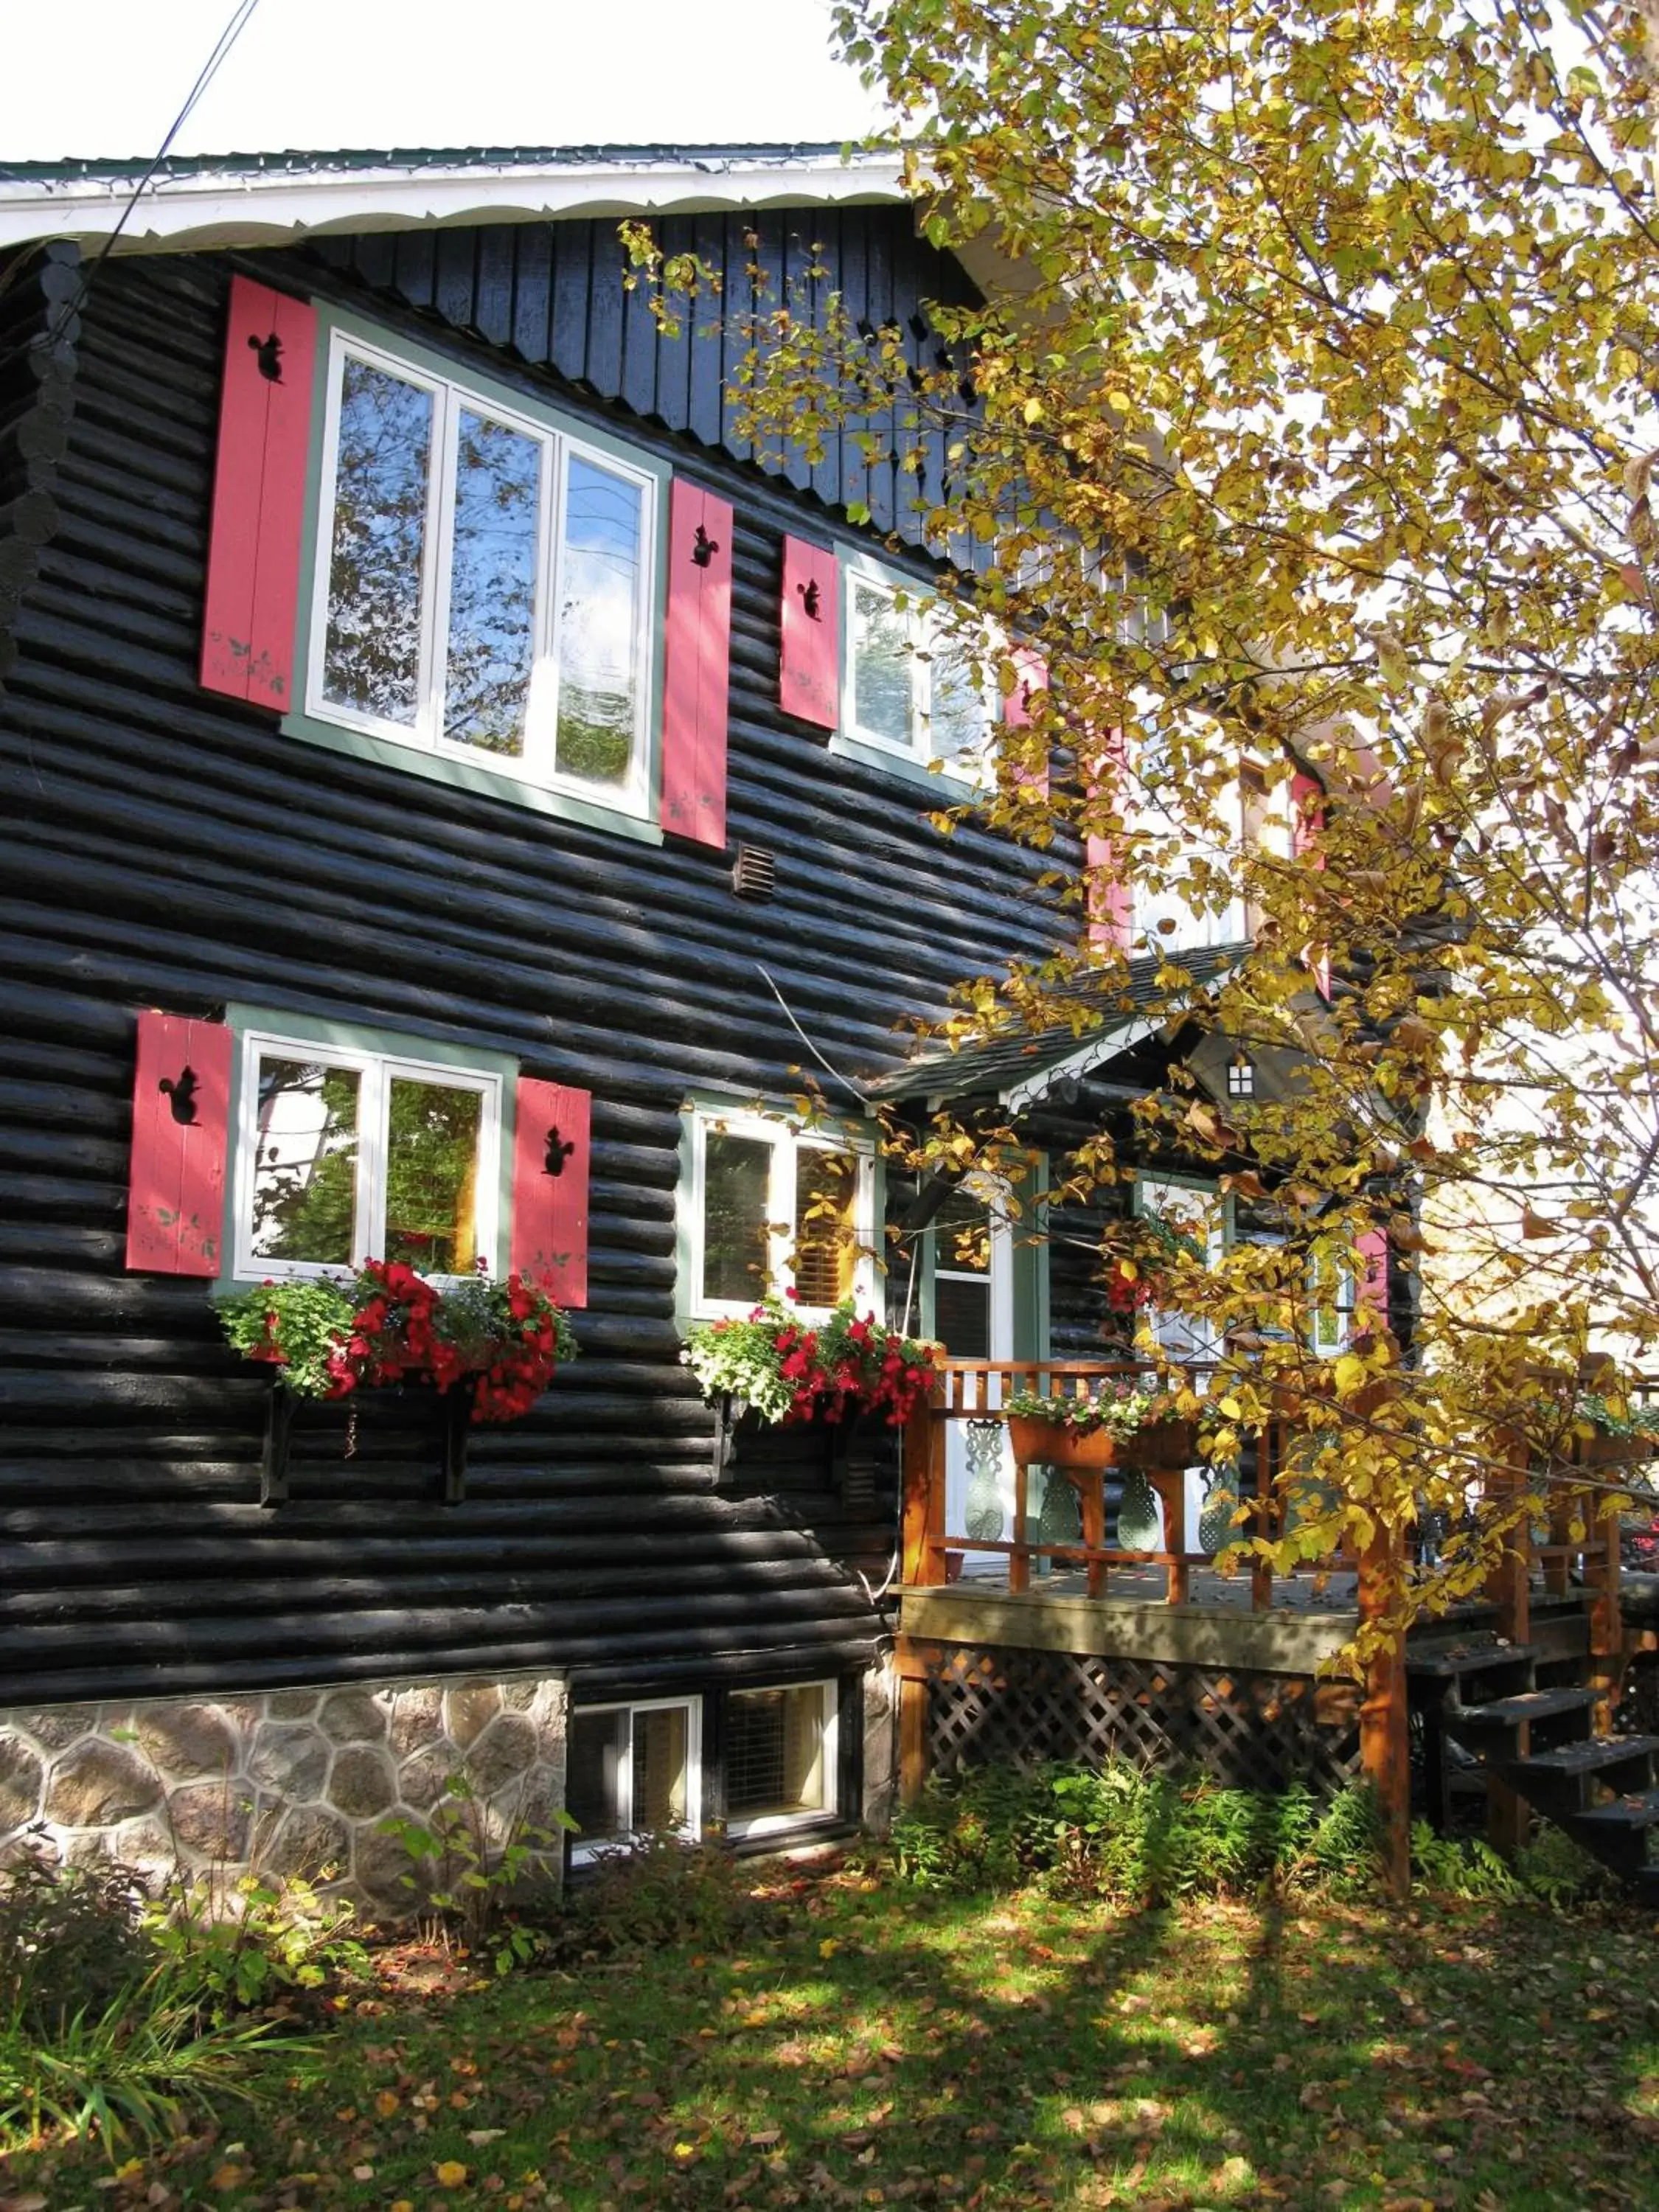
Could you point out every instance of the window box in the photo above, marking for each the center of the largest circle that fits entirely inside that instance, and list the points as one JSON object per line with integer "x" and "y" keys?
{"x": 444, "y": 1417}
{"x": 485, "y": 586}
{"x": 1060, "y": 1444}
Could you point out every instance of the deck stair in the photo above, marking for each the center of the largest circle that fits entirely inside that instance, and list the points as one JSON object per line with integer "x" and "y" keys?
{"x": 1522, "y": 1715}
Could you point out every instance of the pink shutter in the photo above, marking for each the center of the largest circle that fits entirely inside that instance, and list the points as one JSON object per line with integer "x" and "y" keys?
{"x": 1307, "y": 822}
{"x": 1109, "y": 900}
{"x": 258, "y": 496}
{"x": 180, "y": 1126}
{"x": 696, "y": 665}
{"x": 551, "y": 1141}
{"x": 1372, "y": 1250}
{"x": 1032, "y": 674}
{"x": 809, "y": 672}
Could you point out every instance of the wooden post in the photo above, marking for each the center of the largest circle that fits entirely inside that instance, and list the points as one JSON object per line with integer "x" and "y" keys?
{"x": 1508, "y": 1587}
{"x": 912, "y": 1722}
{"x": 1170, "y": 1483}
{"x": 1261, "y": 1521}
{"x": 1019, "y": 1562}
{"x": 1384, "y": 1719}
{"x": 1092, "y": 1498}
{"x": 1604, "y": 1566}
{"x": 924, "y": 1491}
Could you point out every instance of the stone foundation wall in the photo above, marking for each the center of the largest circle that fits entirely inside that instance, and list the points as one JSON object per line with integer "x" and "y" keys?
{"x": 282, "y": 1781}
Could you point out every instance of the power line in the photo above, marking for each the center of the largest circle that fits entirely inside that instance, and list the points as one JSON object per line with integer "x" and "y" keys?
{"x": 241, "y": 15}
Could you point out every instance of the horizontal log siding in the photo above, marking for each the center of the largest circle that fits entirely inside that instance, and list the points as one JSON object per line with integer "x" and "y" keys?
{"x": 168, "y": 845}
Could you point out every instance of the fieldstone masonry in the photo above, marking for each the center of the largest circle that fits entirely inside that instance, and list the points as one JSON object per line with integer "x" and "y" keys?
{"x": 283, "y": 1782}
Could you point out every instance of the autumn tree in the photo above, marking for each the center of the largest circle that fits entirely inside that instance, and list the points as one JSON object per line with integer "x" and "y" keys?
{"x": 1305, "y": 435}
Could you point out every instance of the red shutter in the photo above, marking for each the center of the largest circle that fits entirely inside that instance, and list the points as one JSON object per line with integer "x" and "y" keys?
{"x": 1032, "y": 674}
{"x": 180, "y": 1126}
{"x": 1307, "y": 821}
{"x": 1372, "y": 1289}
{"x": 551, "y": 1141}
{"x": 1109, "y": 900}
{"x": 258, "y": 496}
{"x": 809, "y": 672}
{"x": 696, "y": 665}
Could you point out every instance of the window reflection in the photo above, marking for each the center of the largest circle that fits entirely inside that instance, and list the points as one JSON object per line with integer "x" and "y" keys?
{"x": 371, "y": 658}
{"x": 304, "y": 1167}
{"x": 432, "y": 1176}
{"x": 492, "y": 585}
{"x": 826, "y": 1225}
{"x": 736, "y": 1246}
{"x": 598, "y": 623}
{"x": 881, "y": 671}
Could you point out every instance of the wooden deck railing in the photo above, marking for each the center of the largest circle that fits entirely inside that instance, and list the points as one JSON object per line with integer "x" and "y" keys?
{"x": 978, "y": 1390}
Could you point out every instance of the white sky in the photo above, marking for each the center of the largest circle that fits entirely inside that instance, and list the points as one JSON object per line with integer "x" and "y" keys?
{"x": 106, "y": 77}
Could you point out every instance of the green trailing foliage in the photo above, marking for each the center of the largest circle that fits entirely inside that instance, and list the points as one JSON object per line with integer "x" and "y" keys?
{"x": 123, "y": 2008}
{"x": 1134, "y": 1836}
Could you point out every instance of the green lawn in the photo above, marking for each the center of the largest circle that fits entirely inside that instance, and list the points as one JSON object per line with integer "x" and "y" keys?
{"x": 866, "y": 2045}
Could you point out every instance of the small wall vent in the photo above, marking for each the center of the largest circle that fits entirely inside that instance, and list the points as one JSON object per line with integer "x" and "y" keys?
{"x": 754, "y": 873}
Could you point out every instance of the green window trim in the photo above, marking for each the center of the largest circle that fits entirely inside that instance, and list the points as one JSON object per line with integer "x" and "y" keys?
{"x": 413, "y": 760}
{"x": 358, "y": 1037}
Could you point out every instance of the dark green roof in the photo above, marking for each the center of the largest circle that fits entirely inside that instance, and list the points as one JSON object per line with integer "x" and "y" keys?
{"x": 1113, "y": 1012}
{"x": 300, "y": 162}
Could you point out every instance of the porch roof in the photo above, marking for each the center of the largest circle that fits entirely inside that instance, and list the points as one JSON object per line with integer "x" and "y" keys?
{"x": 1094, "y": 1019}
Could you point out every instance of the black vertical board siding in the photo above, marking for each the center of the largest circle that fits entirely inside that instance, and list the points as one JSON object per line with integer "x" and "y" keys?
{"x": 571, "y": 312}
{"x": 673, "y": 343}
{"x": 707, "y": 367}
{"x": 168, "y": 847}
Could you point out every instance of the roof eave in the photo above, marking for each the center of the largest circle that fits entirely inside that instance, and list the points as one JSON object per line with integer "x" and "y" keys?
{"x": 217, "y": 208}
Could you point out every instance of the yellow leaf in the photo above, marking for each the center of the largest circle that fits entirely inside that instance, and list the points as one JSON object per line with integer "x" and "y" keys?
{"x": 1033, "y": 410}
{"x": 449, "y": 2173}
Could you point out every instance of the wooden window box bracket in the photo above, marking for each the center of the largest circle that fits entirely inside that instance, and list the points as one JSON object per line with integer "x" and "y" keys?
{"x": 453, "y": 1409}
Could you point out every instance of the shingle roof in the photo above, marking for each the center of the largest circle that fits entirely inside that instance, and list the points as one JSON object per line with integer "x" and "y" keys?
{"x": 1023, "y": 1061}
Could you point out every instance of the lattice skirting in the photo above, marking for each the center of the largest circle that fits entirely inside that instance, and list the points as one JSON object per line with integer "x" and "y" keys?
{"x": 1250, "y": 1731}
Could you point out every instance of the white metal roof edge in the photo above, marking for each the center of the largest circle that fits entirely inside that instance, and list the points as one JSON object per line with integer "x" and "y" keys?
{"x": 229, "y": 208}
{"x": 1104, "y": 1045}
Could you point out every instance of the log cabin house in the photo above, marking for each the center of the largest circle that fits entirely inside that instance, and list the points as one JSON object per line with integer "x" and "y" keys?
{"x": 419, "y": 708}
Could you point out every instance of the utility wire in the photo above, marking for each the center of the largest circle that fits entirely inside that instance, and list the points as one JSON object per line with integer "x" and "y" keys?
{"x": 241, "y": 15}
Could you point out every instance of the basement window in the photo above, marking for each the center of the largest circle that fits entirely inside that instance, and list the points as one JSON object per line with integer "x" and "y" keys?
{"x": 634, "y": 1770}
{"x": 780, "y": 1757}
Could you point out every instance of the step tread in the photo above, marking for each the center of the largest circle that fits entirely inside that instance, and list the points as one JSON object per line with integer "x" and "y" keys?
{"x": 1470, "y": 1659}
{"x": 1573, "y": 1759}
{"x": 1640, "y": 1809}
{"x": 1526, "y": 1705}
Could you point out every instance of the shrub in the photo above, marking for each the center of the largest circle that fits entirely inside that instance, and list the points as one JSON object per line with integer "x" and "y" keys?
{"x": 662, "y": 1891}
{"x": 1130, "y": 1834}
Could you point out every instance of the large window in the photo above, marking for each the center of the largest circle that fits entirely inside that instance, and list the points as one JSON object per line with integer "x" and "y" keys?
{"x": 483, "y": 582}
{"x": 915, "y": 684}
{"x": 344, "y": 1156}
{"x": 780, "y": 1757}
{"x": 634, "y": 1770}
{"x": 775, "y": 1207}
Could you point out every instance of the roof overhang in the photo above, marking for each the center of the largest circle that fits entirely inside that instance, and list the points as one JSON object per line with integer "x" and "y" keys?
{"x": 278, "y": 198}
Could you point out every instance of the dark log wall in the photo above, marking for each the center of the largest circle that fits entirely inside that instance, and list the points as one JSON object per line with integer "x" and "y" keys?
{"x": 166, "y": 845}
{"x": 553, "y": 295}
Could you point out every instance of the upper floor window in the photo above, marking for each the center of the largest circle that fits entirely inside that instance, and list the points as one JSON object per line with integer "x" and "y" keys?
{"x": 484, "y": 586}
{"x": 912, "y": 687}
{"x": 774, "y": 1206}
{"x": 344, "y": 1155}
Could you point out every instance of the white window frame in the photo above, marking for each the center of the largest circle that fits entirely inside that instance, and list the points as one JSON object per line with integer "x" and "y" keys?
{"x": 1192, "y": 1337}
{"x": 376, "y": 1071}
{"x": 769, "y": 1824}
{"x": 583, "y": 1851}
{"x": 788, "y": 1139}
{"x": 535, "y": 766}
{"x": 927, "y": 619}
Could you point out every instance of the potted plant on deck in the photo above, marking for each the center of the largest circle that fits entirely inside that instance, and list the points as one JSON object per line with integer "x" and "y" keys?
{"x": 1115, "y": 1425}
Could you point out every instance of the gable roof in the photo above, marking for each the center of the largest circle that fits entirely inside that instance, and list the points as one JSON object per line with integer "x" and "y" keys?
{"x": 1016, "y": 1066}
{"x": 202, "y": 201}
